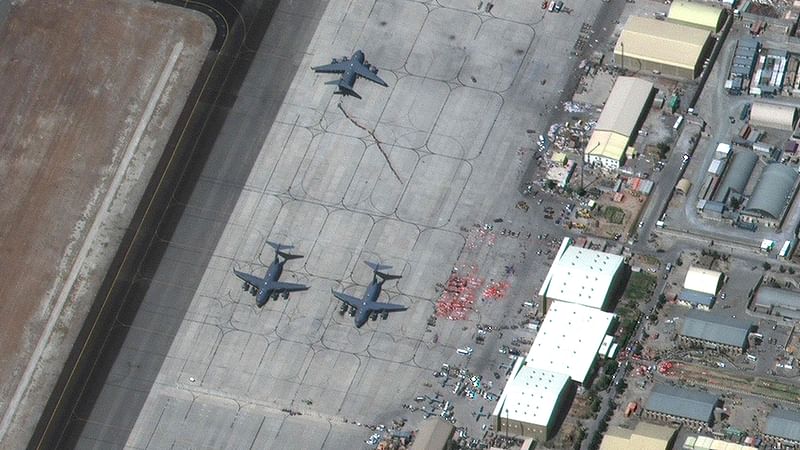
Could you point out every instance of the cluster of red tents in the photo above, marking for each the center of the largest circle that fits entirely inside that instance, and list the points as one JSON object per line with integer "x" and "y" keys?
{"x": 496, "y": 290}
{"x": 459, "y": 293}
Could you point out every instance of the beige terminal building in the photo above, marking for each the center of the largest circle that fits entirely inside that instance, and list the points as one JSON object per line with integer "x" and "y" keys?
{"x": 667, "y": 48}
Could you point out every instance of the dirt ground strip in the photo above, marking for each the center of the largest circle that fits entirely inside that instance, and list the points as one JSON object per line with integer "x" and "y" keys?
{"x": 77, "y": 77}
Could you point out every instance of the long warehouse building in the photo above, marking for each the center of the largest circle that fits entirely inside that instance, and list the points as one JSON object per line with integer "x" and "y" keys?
{"x": 625, "y": 109}
{"x": 671, "y": 49}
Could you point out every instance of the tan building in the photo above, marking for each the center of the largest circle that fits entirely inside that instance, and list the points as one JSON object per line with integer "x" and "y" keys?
{"x": 696, "y": 14}
{"x": 665, "y": 47}
{"x": 434, "y": 434}
{"x": 771, "y": 115}
{"x": 622, "y": 114}
{"x": 645, "y": 436}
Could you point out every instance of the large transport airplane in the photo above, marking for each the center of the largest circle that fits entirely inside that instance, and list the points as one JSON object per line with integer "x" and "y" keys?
{"x": 269, "y": 286}
{"x": 362, "y": 309}
{"x": 350, "y": 68}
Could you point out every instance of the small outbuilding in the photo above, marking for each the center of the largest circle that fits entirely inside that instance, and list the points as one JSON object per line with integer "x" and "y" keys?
{"x": 683, "y": 186}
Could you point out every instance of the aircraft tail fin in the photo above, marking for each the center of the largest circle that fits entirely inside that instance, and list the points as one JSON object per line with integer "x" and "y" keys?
{"x": 279, "y": 250}
{"x": 344, "y": 88}
{"x": 379, "y": 269}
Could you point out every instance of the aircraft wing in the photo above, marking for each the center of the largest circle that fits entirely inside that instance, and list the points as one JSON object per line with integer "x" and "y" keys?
{"x": 286, "y": 287}
{"x": 363, "y": 71}
{"x": 337, "y": 67}
{"x": 350, "y": 300}
{"x": 388, "y": 307}
{"x": 252, "y": 279}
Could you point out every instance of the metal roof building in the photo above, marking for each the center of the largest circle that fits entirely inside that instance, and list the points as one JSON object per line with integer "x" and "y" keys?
{"x": 770, "y": 115}
{"x": 607, "y": 149}
{"x": 779, "y": 302}
{"x": 582, "y": 276}
{"x": 683, "y": 186}
{"x": 623, "y": 109}
{"x": 669, "y": 48}
{"x": 646, "y": 436}
{"x": 569, "y": 340}
{"x": 773, "y": 193}
{"x": 739, "y": 171}
{"x": 531, "y": 402}
{"x": 783, "y": 425}
{"x": 696, "y": 14}
{"x": 702, "y": 280}
{"x": 628, "y": 101}
{"x": 672, "y": 403}
{"x": 434, "y": 434}
{"x": 696, "y": 299}
{"x": 715, "y": 331}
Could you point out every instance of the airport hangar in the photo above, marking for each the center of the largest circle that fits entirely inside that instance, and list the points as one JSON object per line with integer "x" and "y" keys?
{"x": 669, "y": 48}
{"x": 570, "y": 341}
{"x": 696, "y": 14}
{"x": 600, "y": 275}
{"x": 616, "y": 127}
{"x": 573, "y": 335}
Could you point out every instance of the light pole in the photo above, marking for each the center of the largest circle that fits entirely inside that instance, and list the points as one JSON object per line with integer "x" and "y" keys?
{"x": 583, "y": 160}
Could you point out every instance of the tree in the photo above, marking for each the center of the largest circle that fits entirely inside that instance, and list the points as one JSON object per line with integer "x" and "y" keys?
{"x": 663, "y": 149}
{"x": 766, "y": 265}
{"x": 735, "y": 202}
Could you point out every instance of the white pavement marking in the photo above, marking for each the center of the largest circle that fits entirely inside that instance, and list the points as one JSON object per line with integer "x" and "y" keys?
{"x": 25, "y": 380}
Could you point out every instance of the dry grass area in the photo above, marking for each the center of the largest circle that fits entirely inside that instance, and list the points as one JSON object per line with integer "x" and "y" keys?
{"x": 610, "y": 218}
{"x": 76, "y": 78}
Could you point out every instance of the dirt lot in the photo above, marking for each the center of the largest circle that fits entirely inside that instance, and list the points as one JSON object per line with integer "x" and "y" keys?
{"x": 77, "y": 78}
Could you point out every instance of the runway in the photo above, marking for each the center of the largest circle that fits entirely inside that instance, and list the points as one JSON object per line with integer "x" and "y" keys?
{"x": 191, "y": 362}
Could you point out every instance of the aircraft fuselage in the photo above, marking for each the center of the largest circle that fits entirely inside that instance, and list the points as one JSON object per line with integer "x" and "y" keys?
{"x": 273, "y": 274}
{"x": 370, "y": 296}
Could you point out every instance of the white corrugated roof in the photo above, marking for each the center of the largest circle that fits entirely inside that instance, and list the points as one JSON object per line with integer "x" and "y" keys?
{"x": 581, "y": 276}
{"x": 569, "y": 339}
{"x": 531, "y": 396}
{"x": 702, "y": 280}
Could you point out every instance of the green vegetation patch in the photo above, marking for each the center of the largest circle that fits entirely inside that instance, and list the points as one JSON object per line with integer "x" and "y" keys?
{"x": 640, "y": 285}
{"x": 614, "y": 214}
